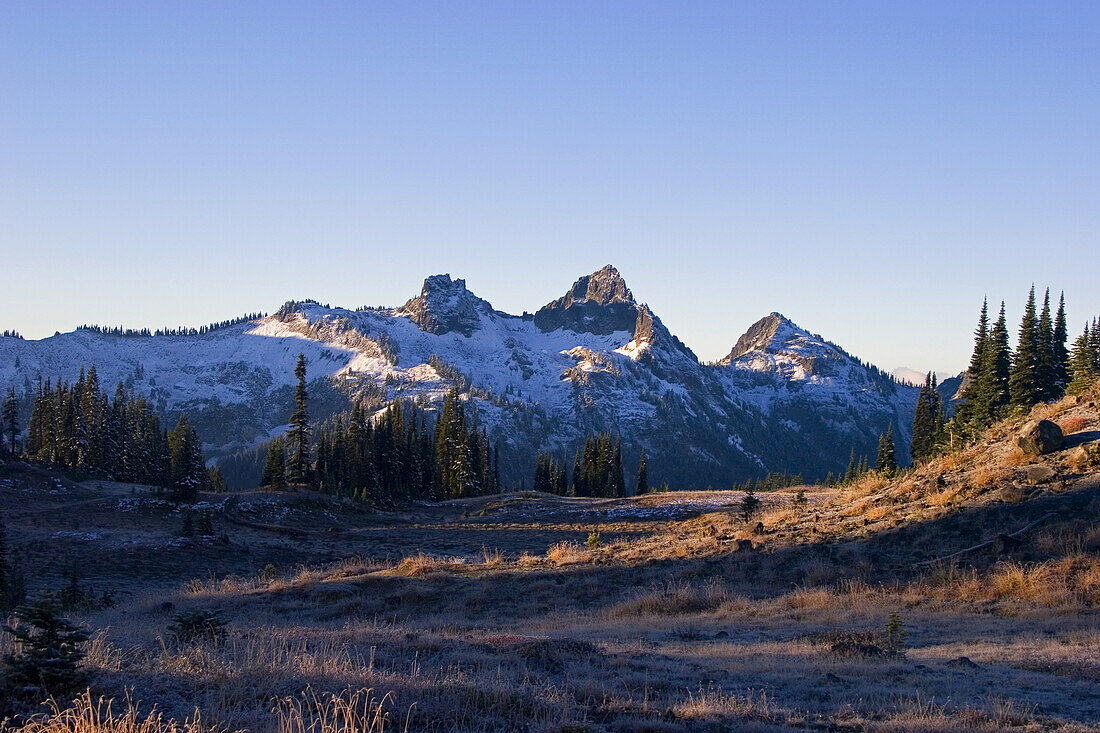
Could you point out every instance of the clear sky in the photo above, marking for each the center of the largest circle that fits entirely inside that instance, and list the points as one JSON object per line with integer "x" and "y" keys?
{"x": 871, "y": 170}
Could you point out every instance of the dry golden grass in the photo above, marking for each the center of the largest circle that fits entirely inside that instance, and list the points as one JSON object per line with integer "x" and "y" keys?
{"x": 1068, "y": 582}
{"x": 566, "y": 553}
{"x": 674, "y": 599}
{"x": 1073, "y": 423}
{"x": 98, "y": 715}
{"x": 353, "y": 711}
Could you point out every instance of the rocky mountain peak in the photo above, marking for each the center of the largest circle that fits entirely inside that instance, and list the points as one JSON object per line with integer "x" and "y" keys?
{"x": 599, "y": 303}
{"x": 603, "y": 287}
{"x": 759, "y": 335}
{"x": 445, "y": 305}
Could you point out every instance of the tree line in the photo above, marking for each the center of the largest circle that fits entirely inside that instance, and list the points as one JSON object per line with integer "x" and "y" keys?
{"x": 74, "y": 426}
{"x": 1000, "y": 381}
{"x": 389, "y": 459}
{"x": 178, "y": 331}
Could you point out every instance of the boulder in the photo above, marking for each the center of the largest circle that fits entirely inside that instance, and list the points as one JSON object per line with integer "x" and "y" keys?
{"x": 1038, "y": 437}
{"x": 1039, "y": 474}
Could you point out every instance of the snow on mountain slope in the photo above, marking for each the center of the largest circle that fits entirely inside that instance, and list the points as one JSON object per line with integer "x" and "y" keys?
{"x": 590, "y": 361}
{"x": 799, "y": 378}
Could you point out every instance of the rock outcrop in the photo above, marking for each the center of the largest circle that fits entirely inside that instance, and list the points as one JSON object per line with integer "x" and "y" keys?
{"x": 1039, "y": 437}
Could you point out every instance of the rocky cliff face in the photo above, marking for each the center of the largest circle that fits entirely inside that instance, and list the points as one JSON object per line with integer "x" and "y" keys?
{"x": 445, "y": 305}
{"x": 593, "y": 360}
{"x": 599, "y": 303}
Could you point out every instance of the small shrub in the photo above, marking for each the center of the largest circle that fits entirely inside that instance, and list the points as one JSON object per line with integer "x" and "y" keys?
{"x": 749, "y": 505}
{"x": 893, "y": 636}
{"x": 198, "y": 624}
{"x": 268, "y": 574}
{"x": 47, "y": 663}
{"x": 593, "y": 540}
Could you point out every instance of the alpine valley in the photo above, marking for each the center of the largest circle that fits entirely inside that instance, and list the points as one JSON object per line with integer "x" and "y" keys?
{"x": 592, "y": 361}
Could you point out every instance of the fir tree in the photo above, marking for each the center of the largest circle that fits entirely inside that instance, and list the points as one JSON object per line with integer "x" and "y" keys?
{"x": 642, "y": 487}
{"x": 1025, "y": 382}
{"x": 1048, "y": 380}
{"x": 850, "y": 474}
{"x": 1060, "y": 356}
{"x": 922, "y": 445}
{"x": 298, "y": 464}
{"x": 274, "y": 474}
{"x": 47, "y": 663}
{"x": 1082, "y": 364}
{"x": 996, "y": 372}
{"x": 750, "y": 504}
{"x": 971, "y": 396}
{"x": 11, "y": 422}
{"x": 887, "y": 463}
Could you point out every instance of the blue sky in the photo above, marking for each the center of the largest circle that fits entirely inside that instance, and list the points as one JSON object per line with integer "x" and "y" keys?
{"x": 869, "y": 169}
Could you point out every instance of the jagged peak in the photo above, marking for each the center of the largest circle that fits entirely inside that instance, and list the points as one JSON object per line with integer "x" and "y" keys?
{"x": 760, "y": 335}
{"x": 599, "y": 303}
{"x": 445, "y": 305}
{"x": 602, "y": 287}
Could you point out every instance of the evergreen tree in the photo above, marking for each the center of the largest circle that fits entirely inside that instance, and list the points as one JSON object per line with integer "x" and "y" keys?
{"x": 1082, "y": 364}
{"x": 996, "y": 372}
{"x": 274, "y": 474}
{"x": 1060, "y": 356}
{"x": 922, "y": 445}
{"x": 1025, "y": 382}
{"x": 642, "y": 487}
{"x": 298, "y": 464}
{"x": 972, "y": 395}
{"x": 187, "y": 469}
{"x": 47, "y": 663}
{"x": 850, "y": 474}
{"x": 887, "y": 463}
{"x": 1048, "y": 380}
{"x": 11, "y": 422}
{"x": 749, "y": 504}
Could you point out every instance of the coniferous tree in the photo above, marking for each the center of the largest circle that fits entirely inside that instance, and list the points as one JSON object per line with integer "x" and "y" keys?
{"x": 750, "y": 504}
{"x": 996, "y": 372}
{"x": 922, "y": 445}
{"x": 11, "y": 422}
{"x": 887, "y": 463}
{"x": 1082, "y": 364}
{"x": 274, "y": 474}
{"x": 1025, "y": 382}
{"x": 972, "y": 395}
{"x": 642, "y": 486}
{"x": 188, "y": 471}
{"x": 1048, "y": 379}
{"x": 47, "y": 663}
{"x": 1059, "y": 353}
{"x": 850, "y": 474}
{"x": 298, "y": 464}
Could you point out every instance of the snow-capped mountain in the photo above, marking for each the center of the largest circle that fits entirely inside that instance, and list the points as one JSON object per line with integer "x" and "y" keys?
{"x": 593, "y": 360}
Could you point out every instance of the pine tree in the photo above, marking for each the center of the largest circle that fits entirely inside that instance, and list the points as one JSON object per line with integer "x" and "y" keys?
{"x": 1082, "y": 364}
{"x": 996, "y": 372}
{"x": 298, "y": 464}
{"x": 642, "y": 487}
{"x": 47, "y": 663}
{"x": 749, "y": 504}
{"x": 11, "y": 422}
{"x": 887, "y": 463}
{"x": 850, "y": 474}
{"x": 972, "y": 395}
{"x": 1048, "y": 378}
{"x": 924, "y": 423}
{"x": 1060, "y": 356}
{"x": 274, "y": 474}
{"x": 1025, "y": 382}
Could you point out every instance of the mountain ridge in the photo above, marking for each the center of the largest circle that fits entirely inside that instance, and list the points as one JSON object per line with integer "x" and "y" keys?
{"x": 593, "y": 360}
